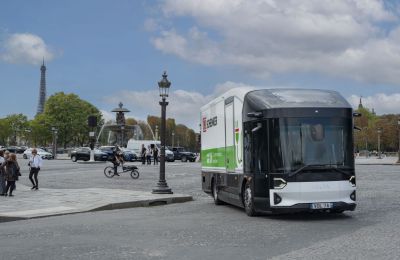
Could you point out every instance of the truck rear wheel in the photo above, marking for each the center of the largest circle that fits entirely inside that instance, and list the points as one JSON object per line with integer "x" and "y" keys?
{"x": 217, "y": 201}
{"x": 184, "y": 159}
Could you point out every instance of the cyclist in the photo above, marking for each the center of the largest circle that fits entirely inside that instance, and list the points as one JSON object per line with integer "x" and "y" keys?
{"x": 117, "y": 159}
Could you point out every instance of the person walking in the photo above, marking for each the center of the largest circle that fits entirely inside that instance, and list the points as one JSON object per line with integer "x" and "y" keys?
{"x": 143, "y": 154}
{"x": 148, "y": 155}
{"x": 155, "y": 155}
{"x": 35, "y": 162}
{"x": 2, "y": 175}
{"x": 12, "y": 171}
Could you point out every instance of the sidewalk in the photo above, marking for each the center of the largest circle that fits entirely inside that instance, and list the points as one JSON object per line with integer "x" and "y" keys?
{"x": 375, "y": 161}
{"x": 52, "y": 202}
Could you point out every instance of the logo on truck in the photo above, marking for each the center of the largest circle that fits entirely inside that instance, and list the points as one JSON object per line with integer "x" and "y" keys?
{"x": 208, "y": 123}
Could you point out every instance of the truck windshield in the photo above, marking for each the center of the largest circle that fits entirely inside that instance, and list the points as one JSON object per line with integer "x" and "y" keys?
{"x": 300, "y": 143}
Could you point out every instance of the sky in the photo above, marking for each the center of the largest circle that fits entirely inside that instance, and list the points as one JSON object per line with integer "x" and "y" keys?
{"x": 116, "y": 51}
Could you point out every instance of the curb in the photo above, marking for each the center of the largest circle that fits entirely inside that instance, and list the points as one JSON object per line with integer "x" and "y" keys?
{"x": 393, "y": 164}
{"x": 110, "y": 206}
{"x": 143, "y": 203}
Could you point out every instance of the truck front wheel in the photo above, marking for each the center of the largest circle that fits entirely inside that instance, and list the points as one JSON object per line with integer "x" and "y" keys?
{"x": 248, "y": 200}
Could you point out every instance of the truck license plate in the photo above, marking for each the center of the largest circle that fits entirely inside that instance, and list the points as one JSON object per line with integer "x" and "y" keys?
{"x": 322, "y": 205}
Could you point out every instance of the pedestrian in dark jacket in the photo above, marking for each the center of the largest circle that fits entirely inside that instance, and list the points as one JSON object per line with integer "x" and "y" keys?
{"x": 155, "y": 155}
{"x": 11, "y": 169}
{"x": 143, "y": 154}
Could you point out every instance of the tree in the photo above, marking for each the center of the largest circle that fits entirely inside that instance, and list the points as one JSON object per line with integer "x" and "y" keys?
{"x": 369, "y": 123}
{"x": 14, "y": 127}
{"x": 5, "y": 131}
{"x": 40, "y": 131}
{"x": 69, "y": 114}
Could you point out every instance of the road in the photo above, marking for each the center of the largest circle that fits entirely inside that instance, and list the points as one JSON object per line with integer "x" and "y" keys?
{"x": 201, "y": 230}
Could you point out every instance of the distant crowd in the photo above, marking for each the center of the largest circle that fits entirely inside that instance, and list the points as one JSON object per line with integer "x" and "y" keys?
{"x": 148, "y": 153}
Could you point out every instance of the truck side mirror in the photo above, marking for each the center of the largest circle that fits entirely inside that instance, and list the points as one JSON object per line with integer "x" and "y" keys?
{"x": 255, "y": 114}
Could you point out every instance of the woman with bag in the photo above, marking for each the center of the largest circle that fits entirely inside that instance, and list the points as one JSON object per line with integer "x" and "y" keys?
{"x": 12, "y": 171}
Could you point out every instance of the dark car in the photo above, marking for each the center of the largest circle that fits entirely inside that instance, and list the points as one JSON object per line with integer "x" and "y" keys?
{"x": 181, "y": 154}
{"x": 129, "y": 156}
{"x": 109, "y": 150}
{"x": 15, "y": 149}
{"x": 83, "y": 153}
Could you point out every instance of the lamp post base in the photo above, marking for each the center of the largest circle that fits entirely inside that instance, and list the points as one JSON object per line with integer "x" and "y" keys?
{"x": 162, "y": 188}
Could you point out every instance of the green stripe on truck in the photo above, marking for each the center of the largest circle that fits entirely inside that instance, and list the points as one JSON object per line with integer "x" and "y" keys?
{"x": 215, "y": 157}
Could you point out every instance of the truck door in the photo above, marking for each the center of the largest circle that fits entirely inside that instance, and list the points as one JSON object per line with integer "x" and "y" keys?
{"x": 260, "y": 158}
{"x": 229, "y": 138}
{"x": 232, "y": 180}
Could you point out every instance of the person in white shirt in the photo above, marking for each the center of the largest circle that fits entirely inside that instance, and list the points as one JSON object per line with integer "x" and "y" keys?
{"x": 35, "y": 162}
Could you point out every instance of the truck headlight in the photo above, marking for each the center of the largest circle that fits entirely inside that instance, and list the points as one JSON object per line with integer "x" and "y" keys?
{"x": 279, "y": 183}
{"x": 352, "y": 180}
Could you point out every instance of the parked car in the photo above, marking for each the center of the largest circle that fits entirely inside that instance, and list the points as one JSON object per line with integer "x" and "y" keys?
{"x": 15, "y": 149}
{"x": 83, "y": 153}
{"x": 42, "y": 153}
{"x": 181, "y": 154}
{"x": 169, "y": 155}
{"x": 109, "y": 150}
{"x": 129, "y": 155}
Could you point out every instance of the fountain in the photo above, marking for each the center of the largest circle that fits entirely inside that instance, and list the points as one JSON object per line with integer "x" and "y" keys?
{"x": 119, "y": 133}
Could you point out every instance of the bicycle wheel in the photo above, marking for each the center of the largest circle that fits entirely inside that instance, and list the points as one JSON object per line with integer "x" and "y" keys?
{"x": 135, "y": 174}
{"x": 109, "y": 172}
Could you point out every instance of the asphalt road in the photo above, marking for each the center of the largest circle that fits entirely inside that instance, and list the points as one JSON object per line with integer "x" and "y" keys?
{"x": 201, "y": 230}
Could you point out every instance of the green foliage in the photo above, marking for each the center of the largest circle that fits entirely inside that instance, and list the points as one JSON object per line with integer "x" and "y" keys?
{"x": 183, "y": 136}
{"x": 40, "y": 131}
{"x": 367, "y": 138}
{"x": 13, "y": 127}
{"x": 68, "y": 113}
{"x": 5, "y": 131}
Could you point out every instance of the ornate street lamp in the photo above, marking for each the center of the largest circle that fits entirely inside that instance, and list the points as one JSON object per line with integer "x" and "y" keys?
{"x": 162, "y": 186}
{"x": 379, "y": 143}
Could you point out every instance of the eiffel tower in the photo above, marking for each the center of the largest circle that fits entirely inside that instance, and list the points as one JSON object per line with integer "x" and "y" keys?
{"x": 42, "y": 92}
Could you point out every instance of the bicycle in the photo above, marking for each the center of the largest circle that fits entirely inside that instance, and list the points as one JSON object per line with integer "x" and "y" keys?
{"x": 109, "y": 171}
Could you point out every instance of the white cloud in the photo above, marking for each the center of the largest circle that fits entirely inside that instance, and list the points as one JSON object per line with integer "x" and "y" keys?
{"x": 381, "y": 103}
{"x": 339, "y": 38}
{"x": 195, "y": 46}
{"x": 184, "y": 105}
{"x": 25, "y": 48}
